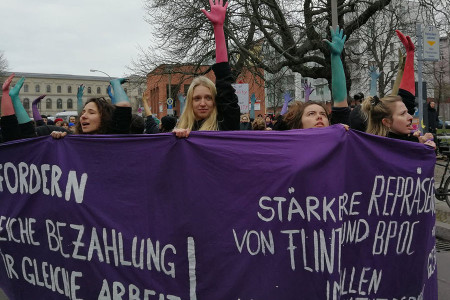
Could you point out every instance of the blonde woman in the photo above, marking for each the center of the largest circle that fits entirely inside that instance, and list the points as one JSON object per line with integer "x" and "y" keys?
{"x": 209, "y": 106}
{"x": 389, "y": 117}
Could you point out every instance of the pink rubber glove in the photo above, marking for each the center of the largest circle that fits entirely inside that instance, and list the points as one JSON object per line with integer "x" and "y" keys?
{"x": 408, "y": 81}
{"x": 7, "y": 106}
{"x": 217, "y": 17}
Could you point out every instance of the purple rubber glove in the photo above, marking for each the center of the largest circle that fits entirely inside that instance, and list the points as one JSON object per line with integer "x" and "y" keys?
{"x": 36, "y": 114}
{"x": 287, "y": 99}
{"x": 308, "y": 90}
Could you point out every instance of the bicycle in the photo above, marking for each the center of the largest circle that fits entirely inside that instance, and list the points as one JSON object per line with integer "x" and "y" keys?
{"x": 442, "y": 192}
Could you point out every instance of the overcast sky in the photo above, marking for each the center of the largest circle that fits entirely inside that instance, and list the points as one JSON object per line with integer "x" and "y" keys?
{"x": 72, "y": 37}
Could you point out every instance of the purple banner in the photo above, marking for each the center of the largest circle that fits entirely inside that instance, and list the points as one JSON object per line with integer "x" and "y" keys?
{"x": 304, "y": 214}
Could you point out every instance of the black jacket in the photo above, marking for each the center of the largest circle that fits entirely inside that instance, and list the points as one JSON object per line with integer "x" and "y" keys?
{"x": 228, "y": 111}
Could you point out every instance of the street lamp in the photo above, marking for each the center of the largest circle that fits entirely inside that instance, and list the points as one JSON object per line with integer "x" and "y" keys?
{"x": 93, "y": 70}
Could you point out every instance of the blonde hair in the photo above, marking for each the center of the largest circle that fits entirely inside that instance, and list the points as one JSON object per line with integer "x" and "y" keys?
{"x": 187, "y": 119}
{"x": 378, "y": 109}
{"x": 259, "y": 124}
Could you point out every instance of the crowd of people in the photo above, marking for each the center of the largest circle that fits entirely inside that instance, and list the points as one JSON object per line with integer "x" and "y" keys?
{"x": 214, "y": 106}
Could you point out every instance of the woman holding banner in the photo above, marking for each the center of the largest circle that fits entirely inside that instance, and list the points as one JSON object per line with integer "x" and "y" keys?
{"x": 314, "y": 114}
{"x": 209, "y": 106}
{"x": 100, "y": 117}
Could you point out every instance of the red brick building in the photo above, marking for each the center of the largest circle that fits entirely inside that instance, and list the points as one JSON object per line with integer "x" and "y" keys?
{"x": 167, "y": 81}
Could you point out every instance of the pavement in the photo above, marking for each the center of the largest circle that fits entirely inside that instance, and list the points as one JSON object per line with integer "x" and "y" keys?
{"x": 442, "y": 209}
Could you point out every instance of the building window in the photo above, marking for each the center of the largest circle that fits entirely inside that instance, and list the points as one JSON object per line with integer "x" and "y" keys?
{"x": 48, "y": 103}
{"x": 304, "y": 80}
{"x": 89, "y": 90}
{"x": 140, "y": 91}
{"x": 392, "y": 66}
{"x": 69, "y": 104}
{"x": 26, "y": 103}
{"x": 49, "y": 88}
{"x": 99, "y": 90}
{"x": 37, "y": 88}
{"x": 58, "y": 89}
{"x": 59, "y": 104}
{"x": 391, "y": 46}
{"x": 69, "y": 89}
{"x": 25, "y": 88}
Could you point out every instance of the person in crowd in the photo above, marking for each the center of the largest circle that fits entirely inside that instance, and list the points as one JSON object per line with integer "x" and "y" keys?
{"x": 72, "y": 127}
{"x": 59, "y": 122}
{"x": 357, "y": 119}
{"x": 73, "y": 119}
{"x": 209, "y": 106}
{"x": 268, "y": 120}
{"x": 168, "y": 123}
{"x": 98, "y": 116}
{"x": 44, "y": 119}
{"x": 15, "y": 122}
{"x": 259, "y": 124}
{"x": 314, "y": 114}
{"x": 433, "y": 118}
{"x": 65, "y": 125}
{"x": 406, "y": 89}
{"x": 137, "y": 125}
{"x": 245, "y": 123}
{"x": 389, "y": 117}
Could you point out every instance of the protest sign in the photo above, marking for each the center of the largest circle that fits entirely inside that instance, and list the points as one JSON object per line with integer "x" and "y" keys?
{"x": 302, "y": 214}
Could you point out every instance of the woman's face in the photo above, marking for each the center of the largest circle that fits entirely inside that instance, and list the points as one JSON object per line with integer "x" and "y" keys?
{"x": 244, "y": 120}
{"x": 314, "y": 116}
{"x": 202, "y": 102}
{"x": 65, "y": 125}
{"x": 401, "y": 122}
{"x": 90, "y": 118}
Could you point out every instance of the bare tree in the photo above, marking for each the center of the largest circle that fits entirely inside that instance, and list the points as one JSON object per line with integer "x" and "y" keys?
{"x": 269, "y": 34}
{"x": 3, "y": 64}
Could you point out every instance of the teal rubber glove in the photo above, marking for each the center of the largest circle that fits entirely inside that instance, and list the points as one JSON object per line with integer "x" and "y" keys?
{"x": 373, "y": 80}
{"x": 21, "y": 113}
{"x": 182, "y": 100}
{"x": 338, "y": 84}
{"x": 120, "y": 97}
{"x": 287, "y": 99}
{"x": 80, "y": 99}
{"x": 252, "y": 106}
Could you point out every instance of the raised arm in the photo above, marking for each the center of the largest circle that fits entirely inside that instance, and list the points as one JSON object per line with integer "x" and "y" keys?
{"x": 373, "y": 80}
{"x": 80, "y": 99}
{"x": 36, "y": 115}
{"x": 407, "y": 89}
{"x": 401, "y": 68}
{"x": 308, "y": 90}
{"x": 408, "y": 81}
{"x": 217, "y": 18}
{"x": 21, "y": 113}
{"x": 120, "y": 97}
{"x": 252, "y": 106}
{"x": 338, "y": 84}
{"x": 7, "y": 106}
{"x": 287, "y": 99}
